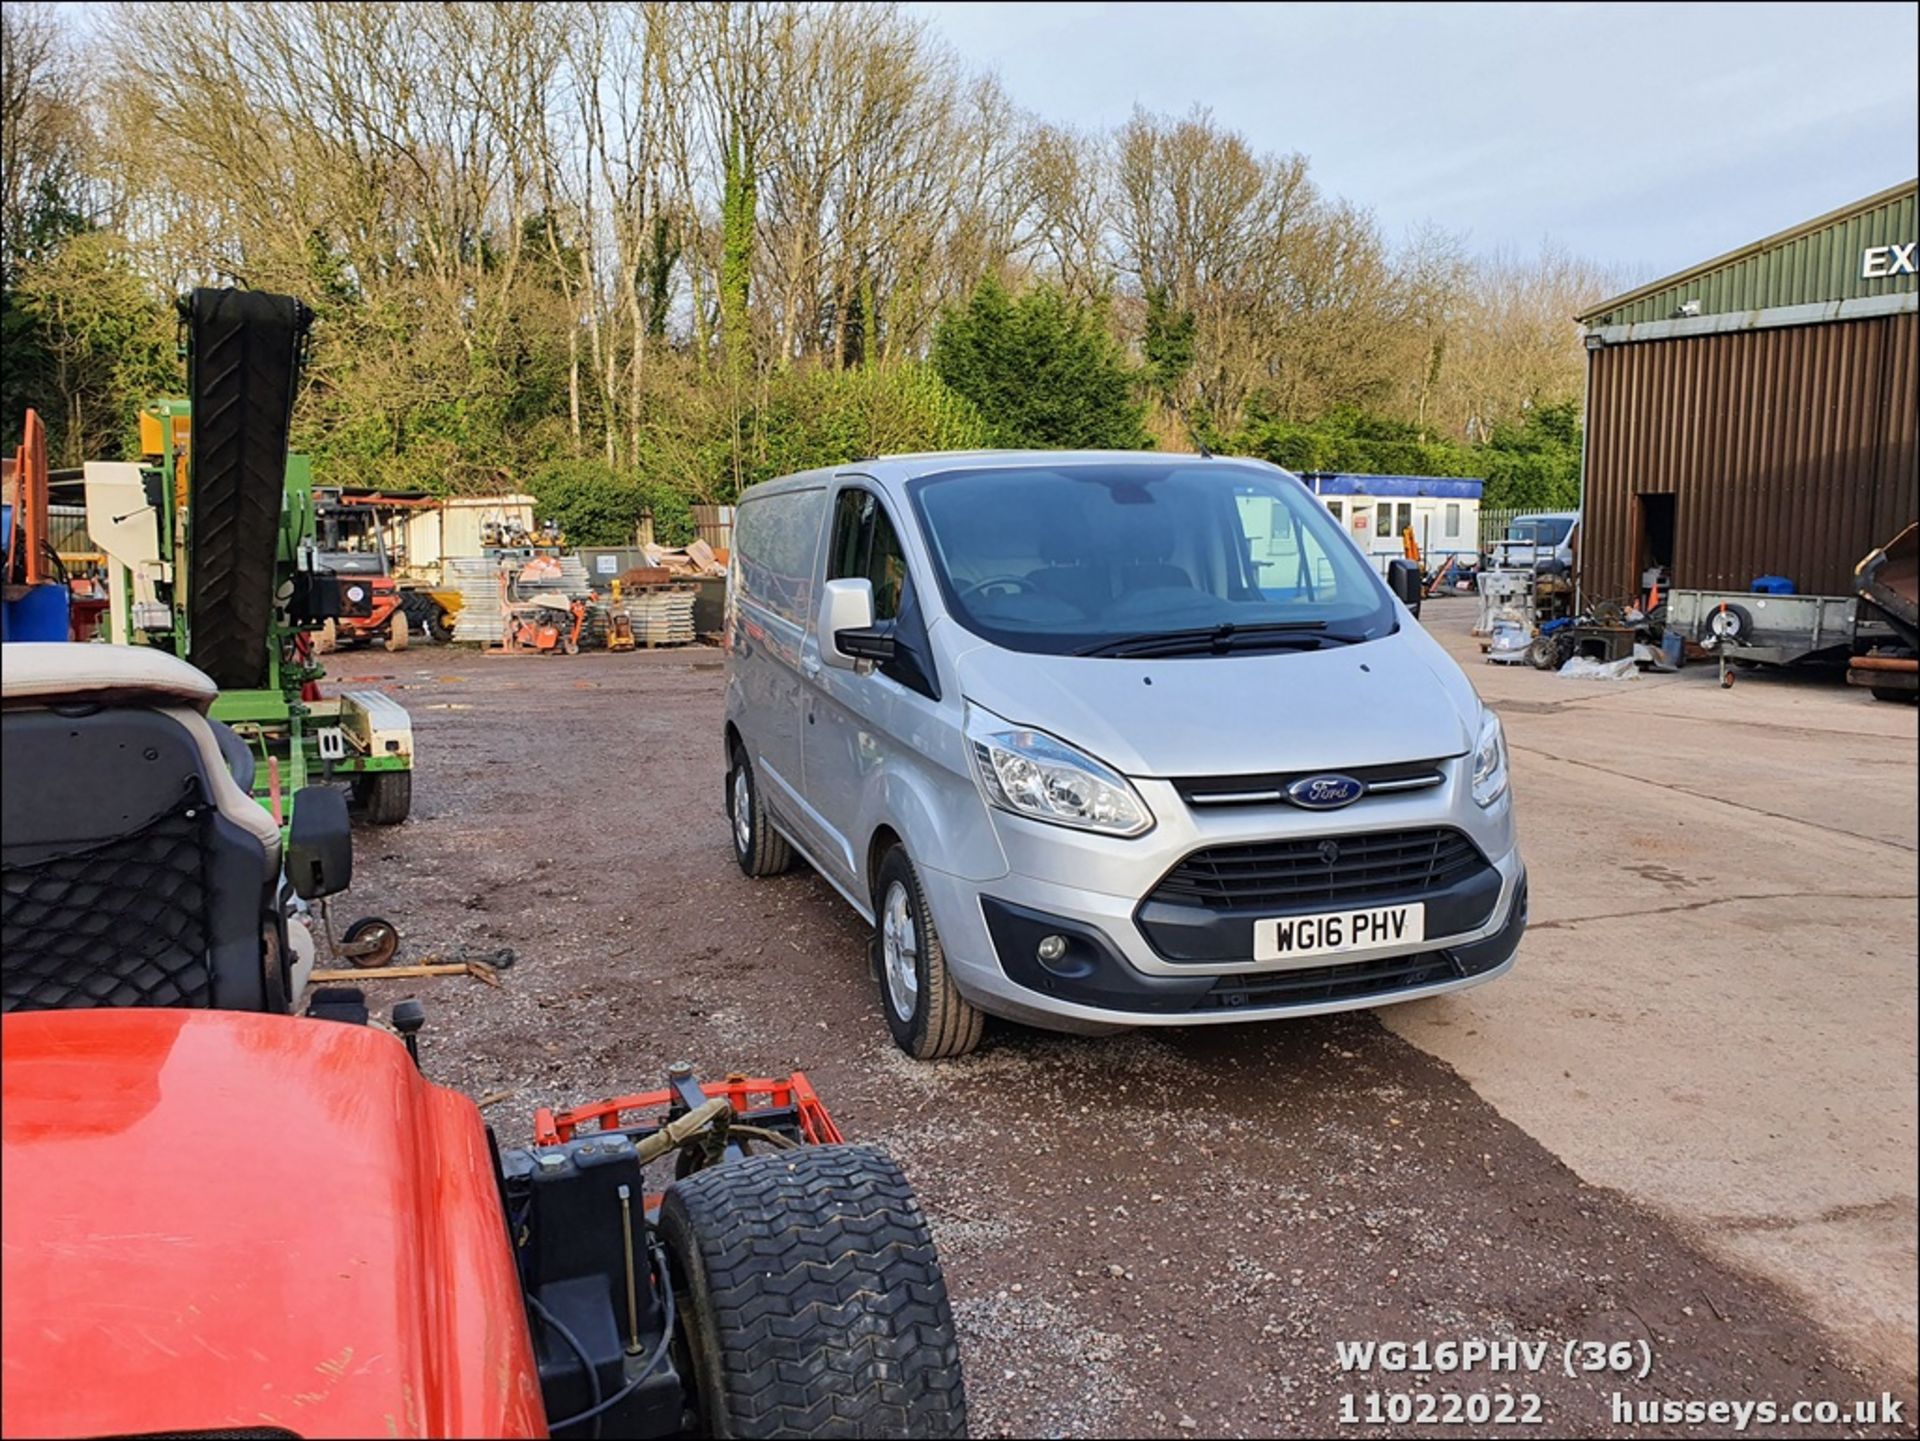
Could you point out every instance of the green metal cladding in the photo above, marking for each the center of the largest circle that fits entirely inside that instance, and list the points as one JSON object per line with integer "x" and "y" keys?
{"x": 1822, "y": 260}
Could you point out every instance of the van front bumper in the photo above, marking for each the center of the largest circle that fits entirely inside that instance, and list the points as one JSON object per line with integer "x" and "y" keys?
{"x": 1111, "y": 975}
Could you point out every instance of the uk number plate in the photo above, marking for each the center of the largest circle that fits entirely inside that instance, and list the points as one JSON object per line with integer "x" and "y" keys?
{"x": 1338, "y": 933}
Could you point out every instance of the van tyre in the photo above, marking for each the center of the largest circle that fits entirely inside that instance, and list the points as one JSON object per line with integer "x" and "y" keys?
{"x": 757, "y": 846}
{"x": 811, "y": 1299}
{"x": 929, "y": 1018}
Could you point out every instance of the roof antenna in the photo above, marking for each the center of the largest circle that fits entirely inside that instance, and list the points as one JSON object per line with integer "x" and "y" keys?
{"x": 1199, "y": 445}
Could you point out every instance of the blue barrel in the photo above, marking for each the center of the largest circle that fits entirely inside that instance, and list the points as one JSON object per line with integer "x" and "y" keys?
{"x": 41, "y": 613}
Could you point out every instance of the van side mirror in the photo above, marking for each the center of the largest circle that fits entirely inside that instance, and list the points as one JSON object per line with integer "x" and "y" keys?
{"x": 845, "y": 630}
{"x": 319, "y": 843}
{"x": 1403, "y": 579}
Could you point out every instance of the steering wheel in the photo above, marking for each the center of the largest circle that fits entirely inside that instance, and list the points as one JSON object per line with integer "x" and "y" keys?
{"x": 1018, "y": 582}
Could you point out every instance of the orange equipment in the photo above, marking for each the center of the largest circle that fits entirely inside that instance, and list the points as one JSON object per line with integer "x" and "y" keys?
{"x": 26, "y": 493}
{"x": 37, "y": 603}
{"x": 541, "y": 628}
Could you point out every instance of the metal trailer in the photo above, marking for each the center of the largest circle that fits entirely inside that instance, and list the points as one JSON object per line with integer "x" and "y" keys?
{"x": 1759, "y": 629}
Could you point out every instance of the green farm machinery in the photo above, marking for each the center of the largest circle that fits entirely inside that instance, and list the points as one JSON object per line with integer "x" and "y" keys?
{"x": 211, "y": 542}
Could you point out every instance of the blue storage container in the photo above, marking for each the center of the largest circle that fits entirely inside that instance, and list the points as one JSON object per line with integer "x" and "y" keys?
{"x": 1772, "y": 585}
{"x": 42, "y": 611}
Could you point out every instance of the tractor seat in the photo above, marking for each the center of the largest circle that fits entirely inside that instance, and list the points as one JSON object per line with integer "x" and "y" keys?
{"x": 138, "y": 869}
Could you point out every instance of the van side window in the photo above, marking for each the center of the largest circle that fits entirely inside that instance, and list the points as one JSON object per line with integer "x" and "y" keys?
{"x": 775, "y": 540}
{"x": 864, "y": 545}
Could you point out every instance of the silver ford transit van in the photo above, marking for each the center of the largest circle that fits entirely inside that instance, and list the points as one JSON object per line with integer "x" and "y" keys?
{"x": 1099, "y": 739}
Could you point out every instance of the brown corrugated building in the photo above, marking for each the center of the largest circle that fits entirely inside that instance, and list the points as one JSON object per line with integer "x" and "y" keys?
{"x": 1757, "y": 414}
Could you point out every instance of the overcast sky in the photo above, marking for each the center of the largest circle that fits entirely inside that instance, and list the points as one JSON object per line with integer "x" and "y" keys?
{"x": 1648, "y": 137}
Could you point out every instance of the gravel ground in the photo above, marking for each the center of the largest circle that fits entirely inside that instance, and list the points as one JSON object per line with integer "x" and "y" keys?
{"x": 1156, "y": 1233}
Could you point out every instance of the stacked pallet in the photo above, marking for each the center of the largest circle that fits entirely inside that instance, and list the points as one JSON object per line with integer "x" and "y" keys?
{"x": 478, "y": 620}
{"x": 661, "y": 615}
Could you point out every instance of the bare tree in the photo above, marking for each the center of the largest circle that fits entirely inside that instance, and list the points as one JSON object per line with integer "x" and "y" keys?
{"x": 534, "y": 229}
{"x": 1511, "y": 344}
{"x": 1065, "y": 185}
{"x": 43, "y": 131}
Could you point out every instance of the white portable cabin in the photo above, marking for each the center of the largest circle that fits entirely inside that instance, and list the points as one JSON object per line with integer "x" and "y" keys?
{"x": 1443, "y": 512}
{"x": 454, "y": 529}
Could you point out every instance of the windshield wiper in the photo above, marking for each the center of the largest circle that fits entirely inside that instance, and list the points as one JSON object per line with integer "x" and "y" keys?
{"x": 1219, "y": 639}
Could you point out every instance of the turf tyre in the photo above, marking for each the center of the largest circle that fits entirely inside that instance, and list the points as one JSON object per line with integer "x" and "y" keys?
{"x": 243, "y": 367}
{"x": 811, "y": 1299}
{"x": 385, "y": 797}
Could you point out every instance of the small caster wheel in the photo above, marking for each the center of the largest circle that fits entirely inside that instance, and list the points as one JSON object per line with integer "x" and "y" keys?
{"x": 378, "y": 935}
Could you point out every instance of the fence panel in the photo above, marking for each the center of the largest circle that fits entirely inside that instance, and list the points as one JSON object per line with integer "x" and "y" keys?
{"x": 1494, "y": 523}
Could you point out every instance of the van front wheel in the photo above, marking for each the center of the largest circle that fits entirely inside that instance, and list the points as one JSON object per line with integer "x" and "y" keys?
{"x": 929, "y": 1018}
{"x": 760, "y": 849}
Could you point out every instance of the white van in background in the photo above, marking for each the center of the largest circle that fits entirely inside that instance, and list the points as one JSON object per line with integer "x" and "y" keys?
{"x": 1548, "y": 534}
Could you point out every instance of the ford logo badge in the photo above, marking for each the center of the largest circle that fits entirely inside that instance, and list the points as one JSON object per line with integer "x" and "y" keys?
{"x": 1326, "y": 793}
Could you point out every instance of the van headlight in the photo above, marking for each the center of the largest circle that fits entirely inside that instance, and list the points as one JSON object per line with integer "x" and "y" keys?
{"x": 1031, "y": 774}
{"x": 1489, "y": 761}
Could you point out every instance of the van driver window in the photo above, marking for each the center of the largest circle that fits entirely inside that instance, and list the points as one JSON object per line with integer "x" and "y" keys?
{"x": 865, "y": 546}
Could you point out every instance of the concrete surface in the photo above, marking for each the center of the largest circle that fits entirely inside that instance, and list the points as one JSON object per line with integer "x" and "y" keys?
{"x": 1715, "y": 1008}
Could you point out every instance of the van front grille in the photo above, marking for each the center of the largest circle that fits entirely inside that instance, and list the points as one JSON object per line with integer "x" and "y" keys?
{"x": 1270, "y": 788}
{"x": 1335, "y": 870}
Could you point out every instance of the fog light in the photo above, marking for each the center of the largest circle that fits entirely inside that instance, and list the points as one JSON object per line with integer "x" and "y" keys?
{"x": 1051, "y": 948}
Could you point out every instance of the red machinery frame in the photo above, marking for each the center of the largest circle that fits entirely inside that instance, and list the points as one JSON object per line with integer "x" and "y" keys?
{"x": 749, "y": 1096}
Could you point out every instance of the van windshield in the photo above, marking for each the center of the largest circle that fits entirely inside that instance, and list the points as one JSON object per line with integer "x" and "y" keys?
{"x": 1539, "y": 529}
{"x": 1132, "y": 558}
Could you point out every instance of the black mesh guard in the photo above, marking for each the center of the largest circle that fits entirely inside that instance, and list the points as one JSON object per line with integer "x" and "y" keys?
{"x": 124, "y": 923}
